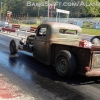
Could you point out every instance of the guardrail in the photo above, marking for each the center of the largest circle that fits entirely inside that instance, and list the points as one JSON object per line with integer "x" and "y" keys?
{"x": 18, "y": 29}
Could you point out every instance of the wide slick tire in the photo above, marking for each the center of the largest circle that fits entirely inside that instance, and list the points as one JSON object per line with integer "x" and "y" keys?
{"x": 65, "y": 64}
{"x": 13, "y": 46}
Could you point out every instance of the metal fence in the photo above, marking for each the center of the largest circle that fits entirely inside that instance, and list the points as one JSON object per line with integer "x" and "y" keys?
{"x": 87, "y": 22}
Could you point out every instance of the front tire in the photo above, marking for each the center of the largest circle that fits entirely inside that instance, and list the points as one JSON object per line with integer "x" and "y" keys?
{"x": 95, "y": 40}
{"x": 65, "y": 64}
{"x": 13, "y": 47}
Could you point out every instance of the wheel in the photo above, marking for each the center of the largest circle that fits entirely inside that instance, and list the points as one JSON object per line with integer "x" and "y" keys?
{"x": 13, "y": 47}
{"x": 95, "y": 40}
{"x": 65, "y": 64}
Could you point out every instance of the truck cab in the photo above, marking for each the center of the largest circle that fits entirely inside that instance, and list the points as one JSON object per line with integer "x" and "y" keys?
{"x": 50, "y": 33}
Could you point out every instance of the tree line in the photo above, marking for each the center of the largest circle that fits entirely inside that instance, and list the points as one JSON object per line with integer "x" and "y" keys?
{"x": 36, "y": 8}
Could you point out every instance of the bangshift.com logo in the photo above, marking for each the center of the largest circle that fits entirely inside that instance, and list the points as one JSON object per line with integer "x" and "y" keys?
{"x": 79, "y": 3}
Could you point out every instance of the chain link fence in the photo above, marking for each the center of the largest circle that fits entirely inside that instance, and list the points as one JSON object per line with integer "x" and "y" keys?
{"x": 87, "y": 22}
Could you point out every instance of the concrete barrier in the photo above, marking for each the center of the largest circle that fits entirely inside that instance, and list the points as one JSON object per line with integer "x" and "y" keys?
{"x": 26, "y": 30}
{"x": 10, "y": 29}
{"x": 18, "y": 29}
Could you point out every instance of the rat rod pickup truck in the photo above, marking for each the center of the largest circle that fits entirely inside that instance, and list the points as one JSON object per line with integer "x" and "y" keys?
{"x": 57, "y": 44}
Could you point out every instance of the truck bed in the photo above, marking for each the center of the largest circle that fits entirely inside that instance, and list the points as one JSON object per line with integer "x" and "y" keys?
{"x": 82, "y": 55}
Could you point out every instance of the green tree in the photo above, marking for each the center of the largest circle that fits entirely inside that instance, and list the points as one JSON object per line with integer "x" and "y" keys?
{"x": 91, "y": 7}
{"x": 20, "y": 6}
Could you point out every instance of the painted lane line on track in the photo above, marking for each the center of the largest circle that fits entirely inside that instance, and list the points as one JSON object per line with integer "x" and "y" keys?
{"x": 12, "y": 35}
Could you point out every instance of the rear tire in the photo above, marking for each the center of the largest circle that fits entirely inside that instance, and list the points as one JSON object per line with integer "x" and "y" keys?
{"x": 13, "y": 47}
{"x": 65, "y": 64}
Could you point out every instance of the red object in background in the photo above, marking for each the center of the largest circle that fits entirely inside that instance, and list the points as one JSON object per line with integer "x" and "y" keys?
{"x": 85, "y": 44}
{"x": 82, "y": 43}
{"x": 50, "y": 13}
{"x": 51, "y": 8}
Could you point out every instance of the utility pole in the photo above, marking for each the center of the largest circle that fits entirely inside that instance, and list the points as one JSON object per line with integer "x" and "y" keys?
{"x": 0, "y": 10}
{"x": 38, "y": 12}
{"x": 48, "y": 8}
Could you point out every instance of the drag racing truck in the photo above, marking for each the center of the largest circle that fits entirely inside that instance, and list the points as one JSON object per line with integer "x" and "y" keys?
{"x": 58, "y": 45}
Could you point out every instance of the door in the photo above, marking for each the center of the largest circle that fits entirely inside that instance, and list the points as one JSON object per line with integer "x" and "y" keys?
{"x": 40, "y": 44}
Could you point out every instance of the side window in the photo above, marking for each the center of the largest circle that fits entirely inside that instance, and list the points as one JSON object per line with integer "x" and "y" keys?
{"x": 42, "y": 31}
{"x": 71, "y": 32}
